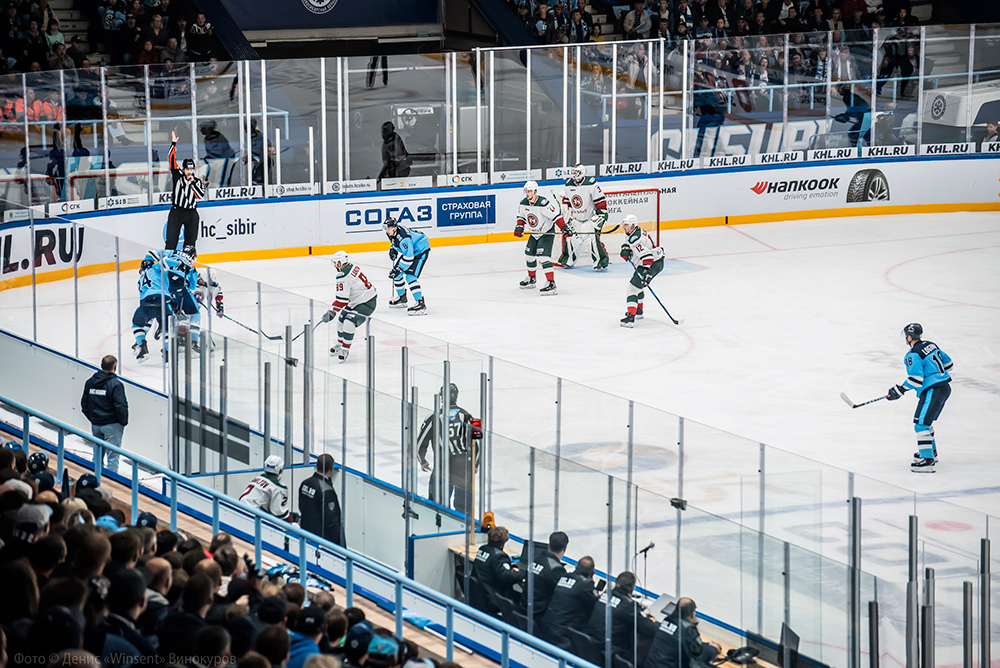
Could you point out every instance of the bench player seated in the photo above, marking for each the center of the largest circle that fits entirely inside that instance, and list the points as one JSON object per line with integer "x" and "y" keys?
{"x": 267, "y": 493}
{"x": 646, "y": 258}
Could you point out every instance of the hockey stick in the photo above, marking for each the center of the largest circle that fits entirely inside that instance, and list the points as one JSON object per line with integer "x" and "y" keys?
{"x": 646, "y": 286}
{"x": 303, "y": 330}
{"x": 251, "y": 329}
{"x": 847, "y": 400}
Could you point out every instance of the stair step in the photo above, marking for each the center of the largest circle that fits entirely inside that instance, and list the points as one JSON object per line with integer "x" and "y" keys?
{"x": 64, "y": 15}
{"x": 61, "y": 4}
{"x": 73, "y": 25}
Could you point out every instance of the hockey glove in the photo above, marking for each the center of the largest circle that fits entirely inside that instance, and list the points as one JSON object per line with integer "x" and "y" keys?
{"x": 394, "y": 272}
{"x": 219, "y": 309}
{"x": 895, "y": 392}
{"x": 328, "y": 316}
{"x": 568, "y": 230}
{"x": 626, "y": 252}
{"x": 393, "y": 254}
{"x": 519, "y": 231}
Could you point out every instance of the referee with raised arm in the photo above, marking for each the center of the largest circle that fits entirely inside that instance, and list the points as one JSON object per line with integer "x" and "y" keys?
{"x": 187, "y": 191}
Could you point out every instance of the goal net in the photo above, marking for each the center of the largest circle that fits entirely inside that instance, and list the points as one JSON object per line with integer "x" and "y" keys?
{"x": 643, "y": 204}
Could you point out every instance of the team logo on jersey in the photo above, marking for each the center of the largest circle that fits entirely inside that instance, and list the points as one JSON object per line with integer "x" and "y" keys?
{"x": 577, "y": 201}
{"x": 319, "y": 6}
{"x": 532, "y": 220}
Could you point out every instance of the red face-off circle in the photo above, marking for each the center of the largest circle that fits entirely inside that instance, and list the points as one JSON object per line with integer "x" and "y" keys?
{"x": 948, "y": 525}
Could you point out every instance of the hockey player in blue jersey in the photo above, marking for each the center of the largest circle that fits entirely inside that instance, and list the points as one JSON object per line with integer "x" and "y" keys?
{"x": 928, "y": 371}
{"x": 409, "y": 250}
{"x": 183, "y": 284}
{"x": 152, "y": 302}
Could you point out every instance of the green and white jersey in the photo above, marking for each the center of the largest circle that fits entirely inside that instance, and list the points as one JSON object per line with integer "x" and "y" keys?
{"x": 585, "y": 199}
{"x": 353, "y": 287}
{"x": 540, "y": 217}
{"x": 644, "y": 249}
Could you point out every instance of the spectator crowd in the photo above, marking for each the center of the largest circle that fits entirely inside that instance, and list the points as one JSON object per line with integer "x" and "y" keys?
{"x": 82, "y": 587}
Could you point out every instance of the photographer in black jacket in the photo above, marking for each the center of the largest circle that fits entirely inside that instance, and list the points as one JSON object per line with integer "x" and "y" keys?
{"x": 319, "y": 504}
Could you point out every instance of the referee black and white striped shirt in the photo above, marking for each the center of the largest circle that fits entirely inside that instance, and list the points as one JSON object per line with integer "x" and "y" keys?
{"x": 186, "y": 192}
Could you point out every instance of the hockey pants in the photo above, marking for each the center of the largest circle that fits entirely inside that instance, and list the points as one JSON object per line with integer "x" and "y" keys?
{"x": 540, "y": 246}
{"x": 410, "y": 277}
{"x": 350, "y": 319}
{"x": 641, "y": 277}
{"x": 929, "y": 406}
{"x": 178, "y": 218}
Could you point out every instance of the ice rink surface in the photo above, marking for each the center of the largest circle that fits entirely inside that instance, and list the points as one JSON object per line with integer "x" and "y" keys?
{"x": 779, "y": 319}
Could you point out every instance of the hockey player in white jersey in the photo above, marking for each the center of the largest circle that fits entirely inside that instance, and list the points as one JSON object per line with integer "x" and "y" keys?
{"x": 647, "y": 258}
{"x": 267, "y": 493}
{"x": 356, "y": 300}
{"x": 540, "y": 217}
{"x": 585, "y": 207}
{"x": 208, "y": 292}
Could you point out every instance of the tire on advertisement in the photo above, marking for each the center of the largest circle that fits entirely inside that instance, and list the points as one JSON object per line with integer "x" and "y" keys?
{"x": 868, "y": 185}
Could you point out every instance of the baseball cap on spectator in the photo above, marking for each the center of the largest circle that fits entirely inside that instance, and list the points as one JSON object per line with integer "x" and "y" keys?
{"x": 34, "y": 514}
{"x": 311, "y": 620}
{"x": 383, "y": 650}
{"x": 22, "y": 487}
{"x": 108, "y": 522}
{"x": 128, "y": 589}
{"x": 146, "y": 519}
{"x": 359, "y": 637}
{"x": 273, "y": 609}
{"x": 88, "y": 481}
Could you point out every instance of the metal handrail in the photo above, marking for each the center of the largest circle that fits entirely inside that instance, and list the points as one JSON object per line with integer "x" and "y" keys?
{"x": 506, "y": 631}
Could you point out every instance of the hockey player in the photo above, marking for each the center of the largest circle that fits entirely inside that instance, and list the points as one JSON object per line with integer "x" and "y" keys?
{"x": 154, "y": 303}
{"x": 462, "y": 429}
{"x": 409, "y": 250}
{"x": 356, "y": 300}
{"x": 182, "y": 285}
{"x": 539, "y": 216}
{"x": 267, "y": 493}
{"x": 585, "y": 207}
{"x": 647, "y": 260}
{"x": 928, "y": 372}
{"x": 208, "y": 292}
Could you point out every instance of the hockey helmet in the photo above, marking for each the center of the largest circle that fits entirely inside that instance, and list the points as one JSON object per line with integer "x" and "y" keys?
{"x": 38, "y": 462}
{"x": 453, "y": 392}
{"x": 390, "y": 222}
{"x": 191, "y": 251}
{"x": 530, "y": 186}
{"x": 274, "y": 465}
{"x": 913, "y": 330}
{"x": 188, "y": 163}
{"x": 629, "y": 222}
{"x": 340, "y": 259}
{"x": 578, "y": 172}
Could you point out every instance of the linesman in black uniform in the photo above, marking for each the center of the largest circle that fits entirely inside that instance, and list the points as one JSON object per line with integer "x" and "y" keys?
{"x": 188, "y": 189}
{"x": 494, "y": 573}
{"x": 462, "y": 429}
{"x": 319, "y": 504}
{"x": 572, "y": 602}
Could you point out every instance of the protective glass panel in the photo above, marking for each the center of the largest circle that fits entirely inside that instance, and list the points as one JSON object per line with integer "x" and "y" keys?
{"x": 549, "y": 107}
{"x": 948, "y": 106}
{"x": 294, "y": 97}
{"x": 170, "y": 98}
{"x": 597, "y": 81}
{"x": 508, "y": 111}
{"x": 635, "y": 79}
{"x": 220, "y": 131}
{"x": 985, "y": 69}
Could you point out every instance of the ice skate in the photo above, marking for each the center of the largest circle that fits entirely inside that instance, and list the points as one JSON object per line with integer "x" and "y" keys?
{"x": 638, "y": 312}
{"x": 628, "y": 320}
{"x": 398, "y": 302}
{"x": 528, "y": 283}
{"x": 549, "y": 289}
{"x": 141, "y": 351}
{"x": 917, "y": 457}
{"x": 343, "y": 353}
{"x": 923, "y": 465}
{"x": 417, "y": 309}
{"x": 335, "y": 351}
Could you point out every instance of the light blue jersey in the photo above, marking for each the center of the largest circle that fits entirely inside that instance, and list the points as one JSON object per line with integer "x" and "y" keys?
{"x": 150, "y": 278}
{"x": 409, "y": 244}
{"x": 926, "y": 366}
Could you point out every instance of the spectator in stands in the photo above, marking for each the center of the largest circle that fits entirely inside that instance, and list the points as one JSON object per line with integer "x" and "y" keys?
{"x": 637, "y": 24}
{"x": 319, "y": 504}
{"x": 53, "y": 36}
{"x": 493, "y": 573}
{"x": 183, "y": 623}
{"x": 126, "y": 601}
{"x": 138, "y": 11}
{"x": 559, "y": 18}
{"x": 33, "y": 47}
{"x": 274, "y": 643}
{"x": 547, "y": 569}
{"x": 60, "y": 60}
{"x": 543, "y": 29}
{"x": 105, "y": 406}
{"x": 172, "y": 51}
{"x": 212, "y": 648}
{"x": 525, "y": 17}
{"x": 75, "y": 51}
{"x": 160, "y": 581}
{"x": 310, "y": 629}
{"x": 816, "y": 22}
{"x": 579, "y": 30}
{"x": 688, "y": 650}
{"x": 991, "y": 131}
{"x": 684, "y": 16}
{"x": 703, "y": 31}
{"x": 844, "y": 68}
{"x": 128, "y": 42}
{"x": 147, "y": 55}
{"x": 792, "y": 23}
{"x": 157, "y": 33}
{"x": 112, "y": 15}
{"x": 201, "y": 38}
{"x": 572, "y": 603}
{"x": 631, "y": 630}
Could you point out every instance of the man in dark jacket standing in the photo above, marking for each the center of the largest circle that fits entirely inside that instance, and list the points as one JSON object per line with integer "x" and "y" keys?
{"x": 395, "y": 159}
{"x": 105, "y": 405}
{"x": 318, "y": 502}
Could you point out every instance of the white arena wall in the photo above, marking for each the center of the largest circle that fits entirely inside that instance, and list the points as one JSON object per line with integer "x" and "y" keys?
{"x": 294, "y": 226}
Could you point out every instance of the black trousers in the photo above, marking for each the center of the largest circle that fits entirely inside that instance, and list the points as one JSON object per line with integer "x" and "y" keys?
{"x": 178, "y": 218}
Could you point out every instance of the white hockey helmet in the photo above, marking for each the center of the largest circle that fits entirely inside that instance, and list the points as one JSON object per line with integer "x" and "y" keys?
{"x": 578, "y": 172}
{"x": 530, "y": 186}
{"x": 339, "y": 259}
{"x": 629, "y": 222}
{"x": 274, "y": 465}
